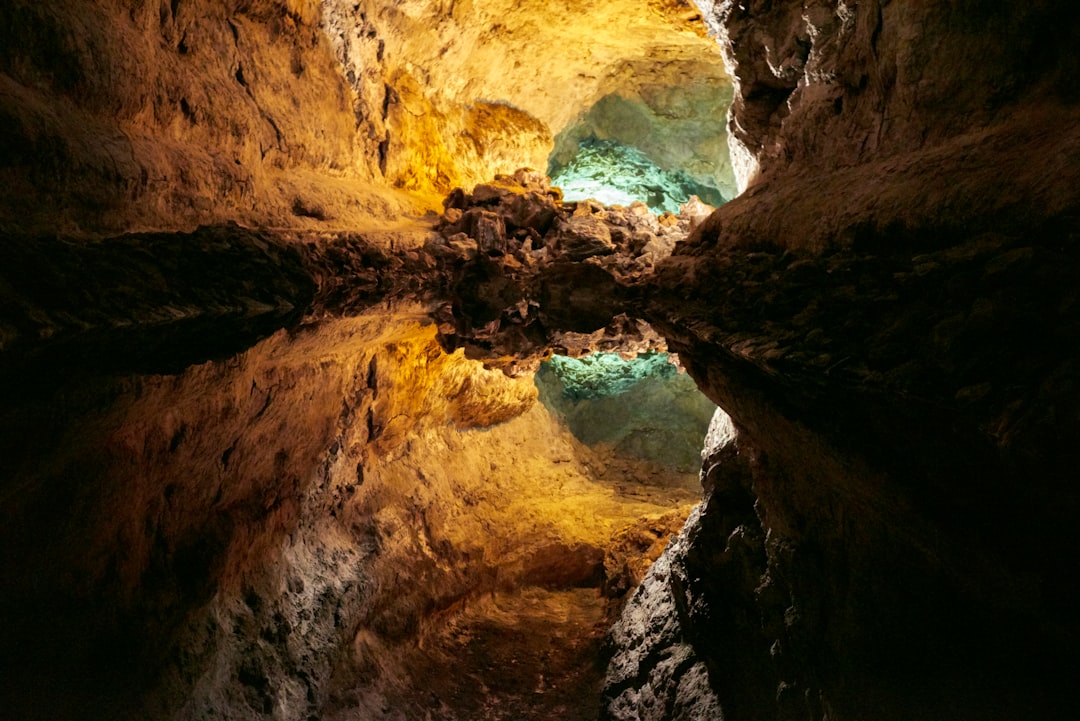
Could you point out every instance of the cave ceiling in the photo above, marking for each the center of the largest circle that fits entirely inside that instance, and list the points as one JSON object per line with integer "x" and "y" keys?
{"x": 550, "y": 59}
{"x": 318, "y": 113}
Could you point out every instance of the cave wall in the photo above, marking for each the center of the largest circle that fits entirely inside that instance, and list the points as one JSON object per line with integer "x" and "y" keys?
{"x": 886, "y": 312}
{"x": 831, "y": 84}
{"x": 123, "y": 116}
{"x": 680, "y": 128}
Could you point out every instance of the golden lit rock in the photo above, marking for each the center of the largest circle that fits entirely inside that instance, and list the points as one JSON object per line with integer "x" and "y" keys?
{"x": 252, "y": 464}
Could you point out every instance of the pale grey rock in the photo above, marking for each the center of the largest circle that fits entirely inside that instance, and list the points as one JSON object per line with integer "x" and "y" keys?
{"x": 655, "y": 674}
{"x": 658, "y": 248}
{"x": 694, "y": 211}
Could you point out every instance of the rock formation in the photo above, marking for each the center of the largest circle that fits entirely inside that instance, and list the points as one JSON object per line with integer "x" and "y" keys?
{"x": 302, "y": 113}
{"x": 883, "y": 314}
{"x": 254, "y": 465}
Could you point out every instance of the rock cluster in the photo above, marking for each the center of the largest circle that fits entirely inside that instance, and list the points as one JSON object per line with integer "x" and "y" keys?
{"x": 524, "y": 217}
{"x": 530, "y": 272}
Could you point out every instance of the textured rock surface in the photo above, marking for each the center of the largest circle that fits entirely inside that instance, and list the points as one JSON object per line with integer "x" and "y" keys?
{"x": 886, "y": 314}
{"x": 617, "y": 174}
{"x": 641, "y": 409}
{"x": 548, "y": 275}
{"x": 680, "y": 128}
{"x": 281, "y": 533}
{"x": 162, "y": 115}
{"x": 300, "y": 113}
{"x": 551, "y": 60}
{"x": 831, "y": 85}
{"x": 308, "y": 525}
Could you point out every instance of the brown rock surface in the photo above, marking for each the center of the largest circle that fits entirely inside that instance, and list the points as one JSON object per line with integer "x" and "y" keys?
{"x": 144, "y": 115}
{"x": 299, "y": 113}
{"x": 180, "y": 569}
{"x": 244, "y": 476}
{"x": 885, "y": 313}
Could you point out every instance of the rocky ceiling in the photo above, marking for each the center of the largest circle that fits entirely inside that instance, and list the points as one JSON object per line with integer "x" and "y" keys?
{"x": 299, "y": 113}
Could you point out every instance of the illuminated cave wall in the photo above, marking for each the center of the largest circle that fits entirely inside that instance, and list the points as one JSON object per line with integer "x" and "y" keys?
{"x": 310, "y": 114}
{"x": 341, "y": 520}
{"x": 284, "y": 531}
{"x": 656, "y": 144}
{"x": 641, "y": 409}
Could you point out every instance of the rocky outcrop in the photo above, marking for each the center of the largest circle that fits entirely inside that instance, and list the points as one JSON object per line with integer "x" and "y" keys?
{"x": 529, "y": 273}
{"x": 895, "y": 461}
{"x": 833, "y": 85}
{"x": 885, "y": 315}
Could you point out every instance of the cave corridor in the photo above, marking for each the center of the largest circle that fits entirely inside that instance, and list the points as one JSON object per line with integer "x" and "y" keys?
{"x": 485, "y": 360}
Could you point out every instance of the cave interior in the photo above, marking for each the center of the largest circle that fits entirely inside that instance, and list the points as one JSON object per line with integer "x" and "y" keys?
{"x": 478, "y": 360}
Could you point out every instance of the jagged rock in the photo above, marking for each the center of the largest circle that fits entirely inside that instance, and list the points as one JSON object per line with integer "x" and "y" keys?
{"x": 452, "y": 215}
{"x": 618, "y": 173}
{"x": 655, "y": 673}
{"x": 620, "y": 237}
{"x": 657, "y": 248}
{"x": 694, "y": 212}
{"x": 640, "y": 240}
{"x": 584, "y": 236}
{"x": 668, "y": 220}
{"x": 458, "y": 247}
{"x": 532, "y": 180}
{"x": 488, "y": 230}
{"x": 456, "y": 199}
{"x": 671, "y": 658}
{"x": 531, "y": 210}
{"x": 489, "y": 193}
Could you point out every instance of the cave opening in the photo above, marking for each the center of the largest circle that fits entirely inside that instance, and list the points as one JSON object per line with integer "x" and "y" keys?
{"x": 658, "y": 145}
{"x": 642, "y": 408}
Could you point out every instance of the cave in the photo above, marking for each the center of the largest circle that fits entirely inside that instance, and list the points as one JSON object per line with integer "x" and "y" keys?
{"x": 676, "y": 360}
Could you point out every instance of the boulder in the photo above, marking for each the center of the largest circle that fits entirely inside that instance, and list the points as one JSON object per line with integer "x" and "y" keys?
{"x": 530, "y": 210}
{"x": 584, "y": 236}
{"x": 489, "y": 193}
{"x": 487, "y": 228}
{"x": 657, "y": 248}
{"x": 532, "y": 180}
{"x": 694, "y": 211}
